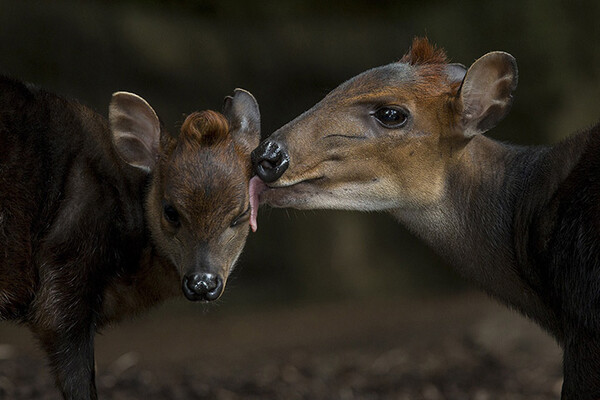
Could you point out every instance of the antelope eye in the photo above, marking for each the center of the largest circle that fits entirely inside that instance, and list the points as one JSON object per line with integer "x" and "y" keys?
{"x": 240, "y": 218}
{"x": 171, "y": 214}
{"x": 391, "y": 117}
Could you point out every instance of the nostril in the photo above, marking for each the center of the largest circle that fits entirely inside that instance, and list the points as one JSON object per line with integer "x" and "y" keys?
{"x": 267, "y": 164}
{"x": 216, "y": 289}
{"x": 209, "y": 282}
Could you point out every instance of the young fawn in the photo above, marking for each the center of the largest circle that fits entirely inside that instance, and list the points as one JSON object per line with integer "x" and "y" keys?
{"x": 102, "y": 219}
{"x": 520, "y": 222}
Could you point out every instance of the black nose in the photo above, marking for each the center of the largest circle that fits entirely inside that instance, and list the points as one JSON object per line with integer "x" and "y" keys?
{"x": 270, "y": 160}
{"x": 207, "y": 287}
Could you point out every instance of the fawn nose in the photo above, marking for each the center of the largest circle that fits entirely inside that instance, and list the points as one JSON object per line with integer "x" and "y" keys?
{"x": 270, "y": 160}
{"x": 203, "y": 286}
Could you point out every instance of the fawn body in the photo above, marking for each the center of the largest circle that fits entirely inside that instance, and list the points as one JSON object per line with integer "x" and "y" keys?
{"x": 100, "y": 220}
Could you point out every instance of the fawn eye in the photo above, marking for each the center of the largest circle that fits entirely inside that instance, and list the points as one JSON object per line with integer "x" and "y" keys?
{"x": 171, "y": 214}
{"x": 391, "y": 117}
{"x": 240, "y": 218}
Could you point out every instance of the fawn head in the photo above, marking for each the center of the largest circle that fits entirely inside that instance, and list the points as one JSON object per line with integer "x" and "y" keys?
{"x": 197, "y": 206}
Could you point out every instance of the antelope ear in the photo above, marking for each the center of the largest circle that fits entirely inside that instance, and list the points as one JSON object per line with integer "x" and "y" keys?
{"x": 243, "y": 115}
{"x": 455, "y": 72}
{"x": 135, "y": 130}
{"x": 486, "y": 93}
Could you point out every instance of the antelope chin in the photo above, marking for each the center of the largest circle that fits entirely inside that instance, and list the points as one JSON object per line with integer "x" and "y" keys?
{"x": 318, "y": 193}
{"x": 282, "y": 195}
{"x": 298, "y": 194}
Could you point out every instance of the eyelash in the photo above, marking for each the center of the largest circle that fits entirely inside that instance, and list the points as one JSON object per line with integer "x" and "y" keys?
{"x": 239, "y": 218}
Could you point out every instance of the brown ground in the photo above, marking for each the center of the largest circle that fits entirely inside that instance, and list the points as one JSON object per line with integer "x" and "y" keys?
{"x": 461, "y": 347}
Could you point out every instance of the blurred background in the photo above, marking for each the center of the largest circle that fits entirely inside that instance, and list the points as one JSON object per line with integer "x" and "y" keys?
{"x": 186, "y": 55}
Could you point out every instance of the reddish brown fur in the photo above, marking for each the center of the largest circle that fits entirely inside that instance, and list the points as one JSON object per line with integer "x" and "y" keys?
{"x": 205, "y": 128}
{"x": 199, "y": 170}
{"x": 430, "y": 62}
{"x": 422, "y": 52}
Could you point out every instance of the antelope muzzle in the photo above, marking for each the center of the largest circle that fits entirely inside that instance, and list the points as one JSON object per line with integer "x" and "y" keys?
{"x": 270, "y": 160}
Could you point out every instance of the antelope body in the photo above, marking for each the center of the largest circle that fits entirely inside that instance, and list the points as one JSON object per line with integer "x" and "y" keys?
{"x": 101, "y": 220}
{"x": 523, "y": 223}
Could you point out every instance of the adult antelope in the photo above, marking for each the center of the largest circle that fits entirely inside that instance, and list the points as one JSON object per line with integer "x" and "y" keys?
{"x": 521, "y": 222}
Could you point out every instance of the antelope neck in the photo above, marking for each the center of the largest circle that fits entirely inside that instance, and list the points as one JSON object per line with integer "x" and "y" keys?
{"x": 483, "y": 219}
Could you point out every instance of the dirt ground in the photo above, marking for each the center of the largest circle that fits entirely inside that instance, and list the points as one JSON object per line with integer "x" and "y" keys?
{"x": 458, "y": 347}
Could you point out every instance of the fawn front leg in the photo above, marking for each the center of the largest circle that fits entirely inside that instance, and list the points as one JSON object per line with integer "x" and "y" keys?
{"x": 71, "y": 356}
{"x": 63, "y": 318}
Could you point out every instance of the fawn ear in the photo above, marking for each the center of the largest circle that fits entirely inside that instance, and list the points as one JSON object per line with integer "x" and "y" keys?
{"x": 243, "y": 115}
{"x": 455, "y": 72}
{"x": 135, "y": 130}
{"x": 486, "y": 93}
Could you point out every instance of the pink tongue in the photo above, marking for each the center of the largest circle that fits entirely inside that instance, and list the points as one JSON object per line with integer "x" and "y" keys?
{"x": 257, "y": 186}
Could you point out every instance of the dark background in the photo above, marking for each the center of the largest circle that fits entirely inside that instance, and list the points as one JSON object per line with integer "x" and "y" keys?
{"x": 187, "y": 55}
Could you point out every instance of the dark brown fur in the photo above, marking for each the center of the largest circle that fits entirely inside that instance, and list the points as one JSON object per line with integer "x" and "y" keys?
{"x": 76, "y": 252}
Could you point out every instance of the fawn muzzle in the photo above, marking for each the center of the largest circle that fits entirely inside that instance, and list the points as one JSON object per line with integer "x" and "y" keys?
{"x": 270, "y": 160}
{"x": 202, "y": 286}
